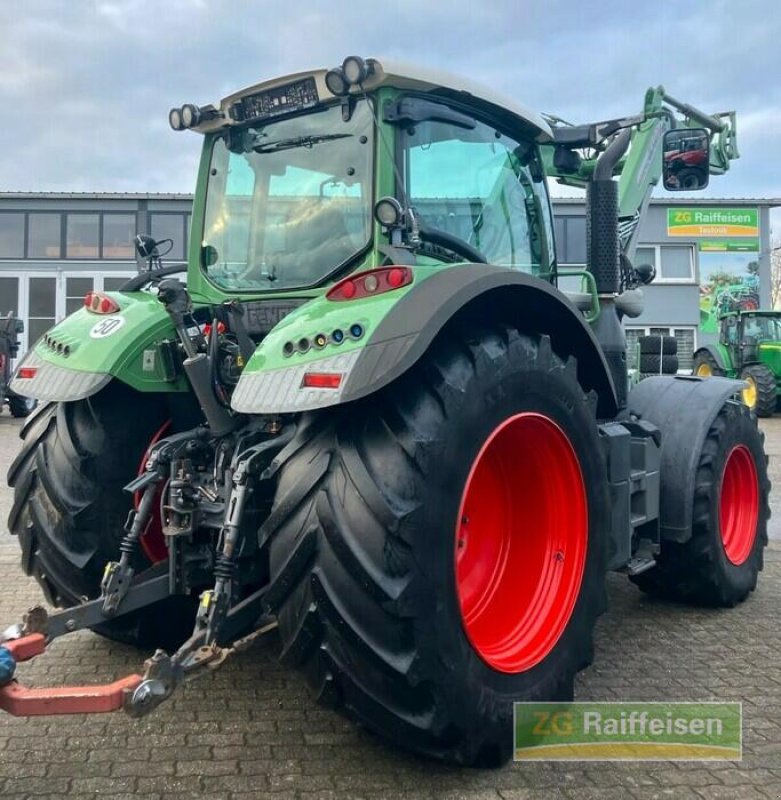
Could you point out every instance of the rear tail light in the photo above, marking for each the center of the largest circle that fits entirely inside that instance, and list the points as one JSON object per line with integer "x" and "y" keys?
{"x": 321, "y": 380}
{"x": 27, "y": 373}
{"x": 370, "y": 283}
{"x": 99, "y": 303}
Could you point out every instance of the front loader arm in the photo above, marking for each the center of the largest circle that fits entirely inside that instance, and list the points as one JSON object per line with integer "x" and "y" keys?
{"x": 572, "y": 155}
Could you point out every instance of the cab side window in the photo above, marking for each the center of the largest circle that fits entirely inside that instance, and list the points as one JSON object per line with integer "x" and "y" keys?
{"x": 483, "y": 187}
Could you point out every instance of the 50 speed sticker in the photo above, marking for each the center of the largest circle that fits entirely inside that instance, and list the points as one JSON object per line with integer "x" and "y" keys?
{"x": 107, "y": 326}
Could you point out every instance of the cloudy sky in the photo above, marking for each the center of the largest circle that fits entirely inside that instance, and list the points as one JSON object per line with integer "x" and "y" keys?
{"x": 86, "y": 85}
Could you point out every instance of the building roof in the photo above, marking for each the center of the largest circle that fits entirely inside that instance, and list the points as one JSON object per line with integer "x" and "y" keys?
{"x": 94, "y": 195}
{"x": 770, "y": 202}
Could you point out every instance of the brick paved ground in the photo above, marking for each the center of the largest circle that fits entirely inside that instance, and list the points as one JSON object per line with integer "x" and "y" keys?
{"x": 250, "y": 730}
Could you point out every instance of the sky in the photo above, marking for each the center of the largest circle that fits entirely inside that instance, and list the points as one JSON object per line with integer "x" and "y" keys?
{"x": 86, "y": 85}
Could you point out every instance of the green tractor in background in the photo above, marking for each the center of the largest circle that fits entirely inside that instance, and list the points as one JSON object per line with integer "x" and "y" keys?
{"x": 749, "y": 348}
{"x": 374, "y": 419}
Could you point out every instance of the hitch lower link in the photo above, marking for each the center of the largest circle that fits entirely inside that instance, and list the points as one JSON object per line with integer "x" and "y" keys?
{"x": 216, "y": 623}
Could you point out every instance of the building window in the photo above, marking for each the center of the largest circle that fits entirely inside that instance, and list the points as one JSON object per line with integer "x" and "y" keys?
{"x": 169, "y": 226}
{"x": 9, "y": 296}
{"x": 11, "y": 235}
{"x": 83, "y": 235}
{"x": 42, "y": 307}
{"x": 75, "y": 289}
{"x": 570, "y": 239}
{"x": 44, "y": 236}
{"x": 686, "y": 338}
{"x": 673, "y": 263}
{"x": 118, "y": 233}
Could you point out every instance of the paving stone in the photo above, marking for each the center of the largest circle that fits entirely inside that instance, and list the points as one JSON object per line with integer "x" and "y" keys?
{"x": 251, "y": 729}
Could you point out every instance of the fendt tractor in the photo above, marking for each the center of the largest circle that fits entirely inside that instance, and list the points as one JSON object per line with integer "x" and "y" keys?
{"x": 749, "y": 348}
{"x": 371, "y": 421}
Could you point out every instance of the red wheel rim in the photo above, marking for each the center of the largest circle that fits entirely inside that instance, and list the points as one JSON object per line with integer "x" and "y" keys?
{"x": 521, "y": 541}
{"x": 152, "y": 540}
{"x": 739, "y": 504}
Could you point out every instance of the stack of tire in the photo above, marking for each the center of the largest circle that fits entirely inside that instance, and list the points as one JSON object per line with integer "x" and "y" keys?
{"x": 658, "y": 356}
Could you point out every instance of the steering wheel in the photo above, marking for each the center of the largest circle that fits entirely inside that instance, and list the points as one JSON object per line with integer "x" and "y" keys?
{"x": 451, "y": 242}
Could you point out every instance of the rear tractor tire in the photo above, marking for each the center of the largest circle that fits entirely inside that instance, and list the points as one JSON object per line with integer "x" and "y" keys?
{"x": 20, "y": 407}
{"x": 720, "y": 563}
{"x": 761, "y": 395}
{"x": 438, "y": 550}
{"x": 705, "y": 365}
{"x": 70, "y": 509}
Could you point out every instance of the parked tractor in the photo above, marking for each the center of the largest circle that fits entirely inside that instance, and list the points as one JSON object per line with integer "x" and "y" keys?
{"x": 749, "y": 348}
{"x": 373, "y": 421}
{"x": 10, "y": 328}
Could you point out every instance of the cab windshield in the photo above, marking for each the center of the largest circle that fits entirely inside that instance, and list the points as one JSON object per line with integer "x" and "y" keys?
{"x": 288, "y": 203}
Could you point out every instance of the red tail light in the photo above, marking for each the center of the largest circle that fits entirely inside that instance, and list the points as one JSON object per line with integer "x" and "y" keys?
{"x": 322, "y": 380}
{"x": 27, "y": 373}
{"x": 99, "y": 303}
{"x": 370, "y": 283}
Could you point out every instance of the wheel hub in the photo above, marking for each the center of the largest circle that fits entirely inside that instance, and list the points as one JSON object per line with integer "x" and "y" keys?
{"x": 521, "y": 542}
{"x": 739, "y": 504}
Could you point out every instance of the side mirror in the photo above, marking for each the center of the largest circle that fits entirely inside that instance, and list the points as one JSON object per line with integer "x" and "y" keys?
{"x": 686, "y": 159}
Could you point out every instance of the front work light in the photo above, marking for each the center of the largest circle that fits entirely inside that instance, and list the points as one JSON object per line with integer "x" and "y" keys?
{"x": 354, "y": 69}
{"x": 336, "y": 83}
{"x": 175, "y": 119}
{"x": 191, "y": 115}
{"x": 388, "y": 212}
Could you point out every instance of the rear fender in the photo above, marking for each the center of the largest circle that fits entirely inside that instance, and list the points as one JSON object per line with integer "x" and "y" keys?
{"x": 400, "y": 328}
{"x": 719, "y": 353}
{"x": 683, "y": 408}
{"x": 85, "y": 351}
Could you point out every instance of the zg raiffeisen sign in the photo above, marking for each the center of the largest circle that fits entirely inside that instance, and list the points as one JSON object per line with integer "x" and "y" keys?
{"x": 712, "y": 222}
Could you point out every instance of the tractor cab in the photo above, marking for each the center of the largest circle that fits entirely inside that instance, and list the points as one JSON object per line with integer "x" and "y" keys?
{"x": 307, "y": 178}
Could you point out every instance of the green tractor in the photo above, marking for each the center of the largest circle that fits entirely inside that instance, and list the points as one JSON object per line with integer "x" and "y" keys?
{"x": 749, "y": 348}
{"x": 372, "y": 419}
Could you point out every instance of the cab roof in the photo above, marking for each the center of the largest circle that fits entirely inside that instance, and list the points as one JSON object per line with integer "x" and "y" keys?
{"x": 386, "y": 72}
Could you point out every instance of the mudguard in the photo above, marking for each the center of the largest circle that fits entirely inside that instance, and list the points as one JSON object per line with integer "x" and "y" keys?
{"x": 85, "y": 351}
{"x": 719, "y": 353}
{"x": 683, "y": 408}
{"x": 400, "y": 326}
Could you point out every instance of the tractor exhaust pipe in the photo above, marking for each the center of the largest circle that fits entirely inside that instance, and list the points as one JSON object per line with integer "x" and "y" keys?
{"x": 603, "y": 253}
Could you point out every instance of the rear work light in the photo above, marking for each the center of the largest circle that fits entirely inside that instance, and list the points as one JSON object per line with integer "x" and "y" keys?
{"x": 99, "y": 303}
{"x": 321, "y": 380}
{"x": 370, "y": 283}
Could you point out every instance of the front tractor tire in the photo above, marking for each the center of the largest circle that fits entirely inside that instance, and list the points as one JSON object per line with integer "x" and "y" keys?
{"x": 69, "y": 507}
{"x": 761, "y": 394}
{"x": 720, "y": 563}
{"x": 439, "y": 550}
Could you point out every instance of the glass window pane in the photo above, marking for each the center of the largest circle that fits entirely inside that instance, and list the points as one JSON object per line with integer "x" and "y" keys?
{"x": 645, "y": 255}
{"x": 118, "y": 233}
{"x": 114, "y": 284}
{"x": 37, "y": 327}
{"x": 82, "y": 238}
{"x": 575, "y": 240}
{"x": 9, "y": 296}
{"x": 78, "y": 287}
{"x": 685, "y": 337}
{"x": 11, "y": 235}
{"x": 44, "y": 236}
{"x": 43, "y": 293}
{"x": 676, "y": 262}
{"x": 73, "y": 304}
{"x": 169, "y": 226}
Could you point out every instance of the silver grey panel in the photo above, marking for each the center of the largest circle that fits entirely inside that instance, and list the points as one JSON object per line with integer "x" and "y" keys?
{"x": 56, "y": 383}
